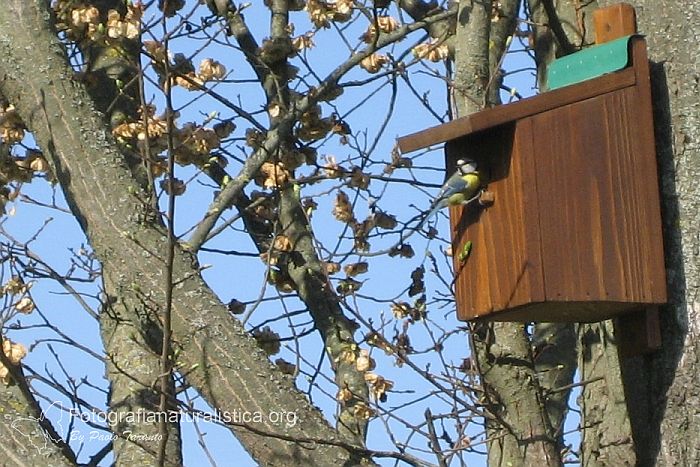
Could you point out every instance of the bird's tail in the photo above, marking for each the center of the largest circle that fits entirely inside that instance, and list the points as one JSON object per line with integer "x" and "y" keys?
{"x": 434, "y": 209}
{"x": 425, "y": 217}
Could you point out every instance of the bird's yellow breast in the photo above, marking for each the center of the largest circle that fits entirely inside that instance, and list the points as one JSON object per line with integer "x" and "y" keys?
{"x": 471, "y": 181}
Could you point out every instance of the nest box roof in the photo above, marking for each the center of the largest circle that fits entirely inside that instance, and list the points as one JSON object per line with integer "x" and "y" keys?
{"x": 595, "y": 77}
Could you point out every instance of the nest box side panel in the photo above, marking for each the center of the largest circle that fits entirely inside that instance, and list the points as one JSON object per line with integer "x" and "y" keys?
{"x": 637, "y": 205}
{"x": 597, "y": 192}
{"x": 504, "y": 268}
{"x": 644, "y": 127}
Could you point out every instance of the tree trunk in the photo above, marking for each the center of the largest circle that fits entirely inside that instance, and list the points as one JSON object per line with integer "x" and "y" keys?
{"x": 606, "y": 437}
{"x": 663, "y": 389}
{"x": 27, "y": 440}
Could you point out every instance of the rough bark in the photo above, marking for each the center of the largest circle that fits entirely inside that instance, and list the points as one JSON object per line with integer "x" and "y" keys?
{"x": 130, "y": 329}
{"x": 554, "y": 347}
{"x": 472, "y": 56}
{"x": 221, "y": 361}
{"x": 503, "y": 24}
{"x": 518, "y": 428}
{"x": 317, "y": 292}
{"x": 663, "y": 389}
{"x": 606, "y": 438}
{"x": 28, "y": 439}
{"x": 130, "y": 332}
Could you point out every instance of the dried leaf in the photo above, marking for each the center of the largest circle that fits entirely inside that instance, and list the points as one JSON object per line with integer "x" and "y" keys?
{"x": 358, "y": 179}
{"x": 361, "y": 232}
{"x": 363, "y": 411}
{"x": 417, "y": 282}
{"x": 25, "y": 305}
{"x": 272, "y": 175}
{"x": 340, "y": 127}
{"x": 37, "y": 162}
{"x": 373, "y": 63}
{"x": 348, "y": 286}
{"x": 405, "y": 251}
{"x": 403, "y": 344}
{"x": 266, "y": 258}
{"x": 286, "y": 367}
{"x": 268, "y": 340}
{"x": 282, "y": 243}
{"x": 433, "y": 51}
{"x": 342, "y": 209}
{"x": 364, "y": 362}
{"x": 210, "y": 69}
{"x": 331, "y": 169}
{"x": 14, "y": 286}
{"x": 178, "y": 186}
{"x": 171, "y": 7}
{"x": 356, "y": 268}
{"x": 344, "y": 395}
{"x": 303, "y": 42}
{"x": 400, "y": 309}
{"x": 274, "y": 110}
{"x": 384, "y": 221}
{"x": 312, "y": 126}
{"x": 14, "y": 351}
{"x": 386, "y": 25}
{"x": 378, "y": 386}
{"x": 224, "y": 129}
{"x": 253, "y": 138}
{"x": 236, "y": 307}
{"x": 331, "y": 268}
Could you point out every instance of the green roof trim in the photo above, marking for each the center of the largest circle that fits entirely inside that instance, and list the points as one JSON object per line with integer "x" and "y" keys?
{"x": 588, "y": 63}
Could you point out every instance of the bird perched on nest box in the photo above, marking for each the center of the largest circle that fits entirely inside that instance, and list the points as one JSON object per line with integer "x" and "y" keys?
{"x": 461, "y": 188}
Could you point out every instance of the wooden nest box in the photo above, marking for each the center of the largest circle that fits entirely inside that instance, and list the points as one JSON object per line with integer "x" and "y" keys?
{"x": 574, "y": 230}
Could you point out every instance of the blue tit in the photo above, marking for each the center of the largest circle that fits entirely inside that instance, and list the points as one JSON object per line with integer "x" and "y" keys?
{"x": 461, "y": 188}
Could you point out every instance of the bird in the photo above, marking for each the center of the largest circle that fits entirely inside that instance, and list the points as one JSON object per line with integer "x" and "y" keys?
{"x": 460, "y": 189}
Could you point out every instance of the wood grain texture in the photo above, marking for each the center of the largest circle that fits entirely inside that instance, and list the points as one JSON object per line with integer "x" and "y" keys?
{"x": 597, "y": 184}
{"x": 640, "y": 332}
{"x": 637, "y": 332}
{"x": 613, "y": 22}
